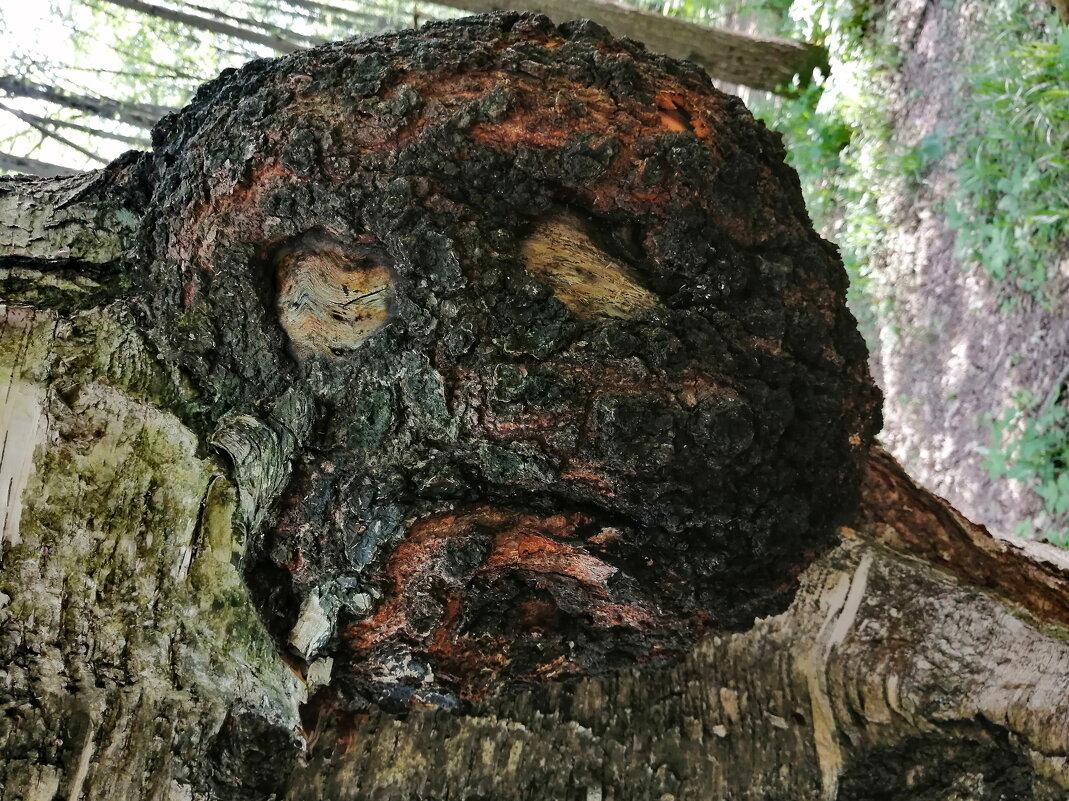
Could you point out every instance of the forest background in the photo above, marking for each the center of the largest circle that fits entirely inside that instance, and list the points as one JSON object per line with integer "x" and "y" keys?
{"x": 934, "y": 150}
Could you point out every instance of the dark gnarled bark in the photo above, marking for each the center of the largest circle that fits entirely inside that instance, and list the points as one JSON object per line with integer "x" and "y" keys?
{"x": 472, "y": 412}
{"x": 576, "y": 408}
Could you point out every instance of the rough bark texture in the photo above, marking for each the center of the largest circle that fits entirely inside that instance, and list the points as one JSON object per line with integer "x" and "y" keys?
{"x": 884, "y": 680}
{"x": 473, "y": 413}
{"x": 77, "y": 224}
{"x": 596, "y": 480}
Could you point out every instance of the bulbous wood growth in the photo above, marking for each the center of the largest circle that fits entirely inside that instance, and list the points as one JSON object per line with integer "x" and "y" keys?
{"x": 473, "y": 413}
{"x": 581, "y": 380}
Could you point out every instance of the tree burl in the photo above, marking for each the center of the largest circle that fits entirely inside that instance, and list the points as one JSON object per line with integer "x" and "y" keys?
{"x": 519, "y": 340}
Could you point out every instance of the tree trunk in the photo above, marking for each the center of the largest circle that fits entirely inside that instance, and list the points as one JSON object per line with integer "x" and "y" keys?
{"x": 358, "y": 19}
{"x": 30, "y": 166}
{"x": 73, "y": 126}
{"x": 141, "y": 115}
{"x": 886, "y": 679}
{"x": 277, "y": 43}
{"x": 760, "y": 62}
{"x": 473, "y": 413}
{"x": 292, "y": 36}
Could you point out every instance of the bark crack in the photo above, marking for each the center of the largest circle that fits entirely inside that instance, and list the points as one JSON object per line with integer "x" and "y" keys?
{"x": 844, "y": 601}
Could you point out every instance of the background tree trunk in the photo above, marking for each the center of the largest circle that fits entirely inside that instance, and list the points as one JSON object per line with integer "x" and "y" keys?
{"x": 141, "y": 115}
{"x": 33, "y": 166}
{"x": 53, "y": 122}
{"x": 242, "y": 22}
{"x": 160, "y": 629}
{"x": 274, "y": 41}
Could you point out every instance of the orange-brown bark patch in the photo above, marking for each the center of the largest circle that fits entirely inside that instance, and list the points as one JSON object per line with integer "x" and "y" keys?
{"x": 522, "y": 550}
{"x": 901, "y": 515}
{"x": 589, "y": 475}
{"x": 545, "y": 552}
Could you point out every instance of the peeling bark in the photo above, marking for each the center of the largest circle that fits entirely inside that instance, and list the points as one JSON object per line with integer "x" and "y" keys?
{"x": 473, "y": 412}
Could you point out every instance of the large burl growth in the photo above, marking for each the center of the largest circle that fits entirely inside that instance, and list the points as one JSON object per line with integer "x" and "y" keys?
{"x": 525, "y": 353}
{"x": 490, "y": 366}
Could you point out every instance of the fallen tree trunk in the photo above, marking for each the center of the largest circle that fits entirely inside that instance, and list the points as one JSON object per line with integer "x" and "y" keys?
{"x": 470, "y": 413}
{"x": 770, "y": 63}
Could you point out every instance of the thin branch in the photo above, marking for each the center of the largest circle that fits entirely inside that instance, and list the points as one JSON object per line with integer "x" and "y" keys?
{"x": 40, "y": 128}
{"x": 249, "y": 23}
{"x": 174, "y": 74}
{"x": 141, "y": 115}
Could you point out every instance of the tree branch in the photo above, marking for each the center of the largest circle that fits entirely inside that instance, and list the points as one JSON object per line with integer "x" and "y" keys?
{"x": 760, "y": 62}
{"x": 275, "y": 42}
{"x": 29, "y": 166}
{"x": 81, "y": 217}
{"x": 33, "y": 118}
{"x": 141, "y": 115}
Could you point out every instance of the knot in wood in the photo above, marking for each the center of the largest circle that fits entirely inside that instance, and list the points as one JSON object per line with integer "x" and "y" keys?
{"x": 332, "y": 296}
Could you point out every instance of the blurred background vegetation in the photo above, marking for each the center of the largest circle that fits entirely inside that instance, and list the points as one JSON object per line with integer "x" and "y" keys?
{"x": 83, "y": 80}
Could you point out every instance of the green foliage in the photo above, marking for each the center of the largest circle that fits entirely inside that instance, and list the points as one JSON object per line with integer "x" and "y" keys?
{"x": 1011, "y": 213}
{"x": 1031, "y": 444}
{"x": 764, "y": 14}
{"x": 1012, "y": 207}
{"x": 838, "y": 137}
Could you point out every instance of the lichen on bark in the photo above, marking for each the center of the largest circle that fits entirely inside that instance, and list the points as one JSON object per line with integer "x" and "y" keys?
{"x": 128, "y": 636}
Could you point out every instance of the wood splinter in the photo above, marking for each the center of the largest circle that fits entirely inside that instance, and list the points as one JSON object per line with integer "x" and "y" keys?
{"x": 586, "y": 279}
